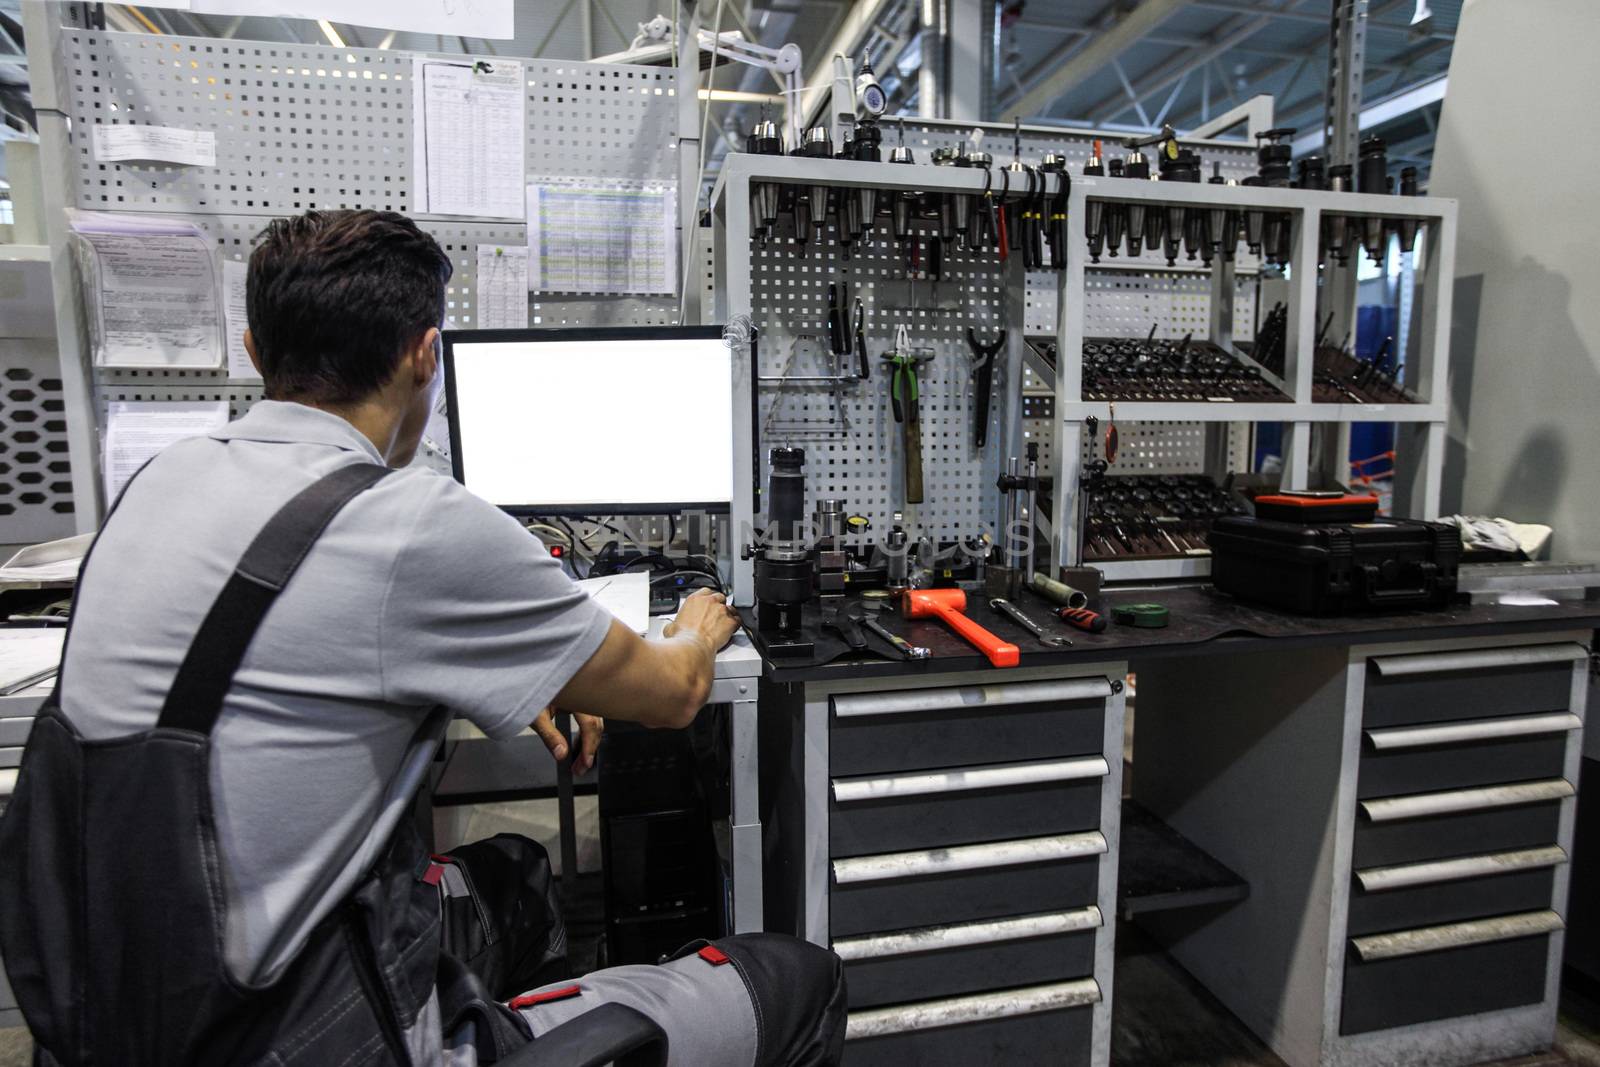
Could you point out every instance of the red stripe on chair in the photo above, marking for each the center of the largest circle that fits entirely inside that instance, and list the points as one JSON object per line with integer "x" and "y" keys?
{"x": 435, "y": 874}
{"x": 528, "y": 1000}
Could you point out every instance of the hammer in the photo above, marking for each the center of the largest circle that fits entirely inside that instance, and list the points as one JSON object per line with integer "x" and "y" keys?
{"x": 947, "y": 606}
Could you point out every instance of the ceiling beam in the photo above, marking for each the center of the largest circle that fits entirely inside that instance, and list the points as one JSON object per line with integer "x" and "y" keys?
{"x": 853, "y": 29}
{"x": 1093, "y": 58}
{"x": 1405, "y": 61}
{"x": 1246, "y": 7}
{"x": 1237, "y": 31}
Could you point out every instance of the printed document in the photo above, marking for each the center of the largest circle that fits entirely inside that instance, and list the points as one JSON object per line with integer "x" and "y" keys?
{"x": 163, "y": 144}
{"x": 137, "y": 429}
{"x": 468, "y": 138}
{"x": 152, "y": 293}
{"x": 502, "y": 287}
{"x": 234, "y": 273}
{"x": 603, "y": 235}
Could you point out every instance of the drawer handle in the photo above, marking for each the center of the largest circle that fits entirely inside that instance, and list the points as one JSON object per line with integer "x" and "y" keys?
{"x": 953, "y": 1011}
{"x": 962, "y": 935}
{"x": 1455, "y": 935}
{"x": 1389, "y": 809}
{"x": 888, "y": 865}
{"x": 970, "y": 696}
{"x": 1477, "y": 660}
{"x": 962, "y": 780}
{"x": 1454, "y": 733}
{"x": 1404, "y": 875}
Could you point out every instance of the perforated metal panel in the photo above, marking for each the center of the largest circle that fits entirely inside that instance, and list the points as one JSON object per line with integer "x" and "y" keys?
{"x": 308, "y": 126}
{"x": 35, "y": 478}
{"x": 1125, "y": 303}
{"x": 853, "y": 445}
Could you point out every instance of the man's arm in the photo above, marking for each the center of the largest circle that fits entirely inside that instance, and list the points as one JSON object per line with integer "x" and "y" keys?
{"x": 662, "y": 682}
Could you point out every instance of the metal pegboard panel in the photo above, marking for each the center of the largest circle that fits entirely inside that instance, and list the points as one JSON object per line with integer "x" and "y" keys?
{"x": 313, "y": 126}
{"x": 1127, "y": 303}
{"x": 240, "y": 398}
{"x": 35, "y": 476}
{"x": 923, "y": 137}
{"x": 853, "y": 445}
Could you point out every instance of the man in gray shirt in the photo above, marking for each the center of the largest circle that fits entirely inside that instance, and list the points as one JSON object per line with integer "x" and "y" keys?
{"x": 418, "y": 601}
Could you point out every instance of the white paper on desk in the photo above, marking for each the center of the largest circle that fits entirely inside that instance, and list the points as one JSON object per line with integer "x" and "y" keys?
{"x": 161, "y": 144}
{"x": 468, "y": 137}
{"x": 49, "y": 561}
{"x": 28, "y": 655}
{"x": 153, "y": 299}
{"x": 627, "y": 596}
{"x": 234, "y": 274}
{"x": 137, "y": 429}
{"x": 502, "y": 287}
{"x": 602, "y": 235}
{"x": 493, "y": 19}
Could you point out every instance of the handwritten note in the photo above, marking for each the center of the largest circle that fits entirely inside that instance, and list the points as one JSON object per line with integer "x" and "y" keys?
{"x": 162, "y": 144}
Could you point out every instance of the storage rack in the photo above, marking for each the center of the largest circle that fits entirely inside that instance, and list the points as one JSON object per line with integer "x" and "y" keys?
{"x": 1419, "y": 474}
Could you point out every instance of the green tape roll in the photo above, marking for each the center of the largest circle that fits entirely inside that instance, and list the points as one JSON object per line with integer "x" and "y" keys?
{"x": 1149, "y": 616}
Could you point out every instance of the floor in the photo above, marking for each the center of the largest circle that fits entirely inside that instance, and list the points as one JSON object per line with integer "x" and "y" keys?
{"x": 1162, "y": 1017}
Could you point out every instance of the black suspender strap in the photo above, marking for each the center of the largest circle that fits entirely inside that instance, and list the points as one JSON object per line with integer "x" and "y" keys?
{"x": 195, "y": 699}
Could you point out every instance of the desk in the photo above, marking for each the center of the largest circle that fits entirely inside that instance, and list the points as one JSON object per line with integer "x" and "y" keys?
{"x": 1255, "y": 740}
{"x": 735, "y": 683}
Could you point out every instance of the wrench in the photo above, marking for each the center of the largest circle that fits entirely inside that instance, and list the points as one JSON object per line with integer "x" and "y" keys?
{"x": 906, "y": 648}
{"x": 1014, "y": 613}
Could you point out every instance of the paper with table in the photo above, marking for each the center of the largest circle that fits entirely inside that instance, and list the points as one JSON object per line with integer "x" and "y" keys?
{"x": 602, "y": 235}
{"x": 151, "y": 290}
{"x": 627, "y": 596}
{"x": 234, "y": 273}
{"x": 28, "y": 655}
{"x": 138, "y": 429}
{"x": 468, "y": 140}
{"x": 160, "y": 144}
{"x": 502, "y": 287}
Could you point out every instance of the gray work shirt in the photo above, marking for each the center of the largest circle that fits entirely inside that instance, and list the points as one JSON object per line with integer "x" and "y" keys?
{"x": 418, "y": 597}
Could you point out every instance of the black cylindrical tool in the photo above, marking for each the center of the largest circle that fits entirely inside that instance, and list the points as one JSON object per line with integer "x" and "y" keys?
{"x": 1053, "y": 209}
{"x": 1313, "y": 173}
{"x": 1373, "y": 177}
{"x": 867, "y": 148}
{"x": 948, "y": 221}
{"x": 1116, "y": 214}
{"x": 783, "y": 558}
{"x": 1094, "y": 220}
{"x": 1407, "y": 228}
{"x": 786, "y": 492}
{"x": 1335, "y": 238}
{"x": 1181, "y": 165}
{"x": 974, "y": 228}
{"x": 1254, "y": 220}
{"x": 1273, "y": 155}
{"x": 1138, "y": 168}
{"x": 1216, "y": 222}
{"x": 817, "y": 144}
{"x": 765, "y": 141}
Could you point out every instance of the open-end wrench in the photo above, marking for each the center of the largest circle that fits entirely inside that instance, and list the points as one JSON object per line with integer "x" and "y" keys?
{"x": 1014, "y": 613}
{"x": 905, "y": 648}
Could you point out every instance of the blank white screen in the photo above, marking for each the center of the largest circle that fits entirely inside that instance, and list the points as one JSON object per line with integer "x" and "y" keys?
{"x": 594, "y": 423}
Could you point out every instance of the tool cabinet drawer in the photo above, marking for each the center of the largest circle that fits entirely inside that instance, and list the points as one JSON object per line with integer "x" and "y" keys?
{"x": 1448, "y": 902}
{"x": 973, "y": 957}
{"x": 936, "y": 887}
{"x": 902, "y": 730}
{"x": 1486, "y": 683}
{"x": 894, "y": 813}
{"x": 1463, "y": 826}
{"x": 1394, "y": 772}
{"x": 1488, "y": 965}
{"x": 1014, "y": 1026}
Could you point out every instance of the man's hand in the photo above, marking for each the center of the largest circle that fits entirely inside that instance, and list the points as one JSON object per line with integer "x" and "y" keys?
{"x": 590, "y": 727}
{"x": 707, "y": 613}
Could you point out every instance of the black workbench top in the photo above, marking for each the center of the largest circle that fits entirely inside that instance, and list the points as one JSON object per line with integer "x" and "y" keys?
{"x": 1202, "y": 620}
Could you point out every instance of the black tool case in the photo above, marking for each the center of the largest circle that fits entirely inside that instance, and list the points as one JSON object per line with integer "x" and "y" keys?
{"x": 1335, "y": 568}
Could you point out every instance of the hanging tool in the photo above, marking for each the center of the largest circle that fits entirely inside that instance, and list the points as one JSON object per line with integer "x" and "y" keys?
{"x": 1372, "y": 176}
{"x": 983, "y": 379}
{"x": 1116, "y": 214}
{"x": 1084, "y": 619}
{"x": 1138, "y": 167}
{"x": 906, "y": 649}
{"x": 904, "y": 397}
{"x": 1111, "y": 434}
{"x": 765, "y": 140}
{"x": 948, "y": 605}
{"x": 1407, "y": 228}
{"x": 838, "y": 335}
{"x": 858, "y": 322}
{"x": 1094, "y": 215}
{"x": 1016, "y": 615}
{"x": 1055, "y": 225}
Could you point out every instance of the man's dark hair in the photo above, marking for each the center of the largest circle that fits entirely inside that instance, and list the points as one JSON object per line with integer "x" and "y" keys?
{"x": 334, "y": 298}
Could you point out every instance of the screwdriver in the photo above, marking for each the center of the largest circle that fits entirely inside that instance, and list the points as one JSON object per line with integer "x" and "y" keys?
{"x": 1083, "y": 619}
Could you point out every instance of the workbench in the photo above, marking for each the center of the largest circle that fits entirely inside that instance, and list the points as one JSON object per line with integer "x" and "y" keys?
{"x": 1395, "y": 792}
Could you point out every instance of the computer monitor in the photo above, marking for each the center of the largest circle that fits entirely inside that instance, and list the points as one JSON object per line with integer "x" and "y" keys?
{"x": 627, "y": 420}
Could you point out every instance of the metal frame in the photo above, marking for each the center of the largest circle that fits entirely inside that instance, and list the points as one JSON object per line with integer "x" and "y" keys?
{"x": 1427, "y": 373}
